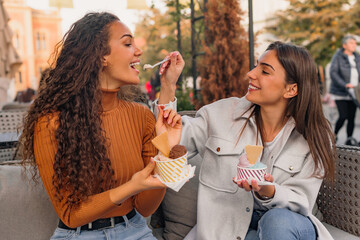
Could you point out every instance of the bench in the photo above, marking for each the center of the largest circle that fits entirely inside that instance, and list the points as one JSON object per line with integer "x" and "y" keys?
{"x": 27, "y": 213}
{"x": 10, "y": 124}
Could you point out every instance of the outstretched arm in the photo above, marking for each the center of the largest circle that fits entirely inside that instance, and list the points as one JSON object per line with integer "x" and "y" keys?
{"x": 170, "y": 72}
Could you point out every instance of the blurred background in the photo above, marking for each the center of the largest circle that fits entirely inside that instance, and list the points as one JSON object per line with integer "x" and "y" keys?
{"x": 219, "y": 39}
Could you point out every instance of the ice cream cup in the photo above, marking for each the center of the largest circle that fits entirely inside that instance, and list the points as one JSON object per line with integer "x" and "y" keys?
{"x": 171, "y": 170}
{"x": 246, "y": 173}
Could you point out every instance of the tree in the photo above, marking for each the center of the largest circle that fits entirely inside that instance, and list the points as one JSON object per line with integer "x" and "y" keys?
{"x": 225, "y": 64}
{"x": 160, "y": 34}
{"x": 318, "y": 25}
{"x": 157, "y": 31}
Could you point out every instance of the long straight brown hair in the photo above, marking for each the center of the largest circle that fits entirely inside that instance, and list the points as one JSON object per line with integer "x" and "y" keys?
{"x": 306, "y": 107}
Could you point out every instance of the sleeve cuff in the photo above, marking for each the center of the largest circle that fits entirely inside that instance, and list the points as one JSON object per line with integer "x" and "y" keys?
{"x": 155, "y": 110}
{"x": 262, "y": 200}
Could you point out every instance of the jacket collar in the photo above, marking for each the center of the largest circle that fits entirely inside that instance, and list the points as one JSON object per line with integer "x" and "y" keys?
{"x": 243, "y": 109}
{"x": 342, "y": 53}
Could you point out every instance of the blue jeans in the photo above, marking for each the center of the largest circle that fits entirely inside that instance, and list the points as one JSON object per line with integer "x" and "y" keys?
{"x": 280, "y": 223}
{"x": 130, "y": 229}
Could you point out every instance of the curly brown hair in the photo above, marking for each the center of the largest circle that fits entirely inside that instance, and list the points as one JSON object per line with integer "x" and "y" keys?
{"x": 74, "y": 94}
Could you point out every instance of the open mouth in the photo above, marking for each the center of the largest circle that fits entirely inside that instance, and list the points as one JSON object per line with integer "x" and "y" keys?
{"x": 132, "y": 65}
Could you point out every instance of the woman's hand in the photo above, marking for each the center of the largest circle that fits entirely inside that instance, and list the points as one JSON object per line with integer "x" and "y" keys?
{"x": 170, "y": 72}
{"x": 144, "y": 180}
{"x": 168, "y": 120}
{"x": 140, "y": 181}
{"x": 262, "y": 191}
{"x": 349, "y": 85}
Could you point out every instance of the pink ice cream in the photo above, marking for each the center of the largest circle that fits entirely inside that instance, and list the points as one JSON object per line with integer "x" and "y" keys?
{"x": 243, "y": 161}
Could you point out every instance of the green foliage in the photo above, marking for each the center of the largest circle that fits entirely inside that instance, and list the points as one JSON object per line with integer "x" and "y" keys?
{"x": 318, "y": 25}
{"x": 184, "y": 99}
{"x": 159, "y": 30}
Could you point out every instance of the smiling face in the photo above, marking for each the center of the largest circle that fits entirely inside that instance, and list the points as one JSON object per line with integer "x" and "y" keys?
{"x": 267, "y": 85}
{"x": 119, "y": 65}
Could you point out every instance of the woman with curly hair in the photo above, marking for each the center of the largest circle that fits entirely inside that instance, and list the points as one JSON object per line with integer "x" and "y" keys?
{"x": 92, "y": 150}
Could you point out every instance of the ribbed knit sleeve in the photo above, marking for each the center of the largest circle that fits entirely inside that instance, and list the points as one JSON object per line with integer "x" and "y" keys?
{"x": 147, "y": 202}
{"x": 45, "y": 148}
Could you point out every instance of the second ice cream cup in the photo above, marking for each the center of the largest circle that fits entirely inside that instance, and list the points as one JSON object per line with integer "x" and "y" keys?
{"x": 171, "y": 170}
{"x": 245, "y": 173}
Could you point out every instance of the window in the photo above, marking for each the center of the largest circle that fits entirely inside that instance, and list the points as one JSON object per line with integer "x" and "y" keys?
{"x": 17, "y": 40}
{"x": 43, "y": 41}
{"x": 20, "y": 77}
{"x": 37, "y": 40}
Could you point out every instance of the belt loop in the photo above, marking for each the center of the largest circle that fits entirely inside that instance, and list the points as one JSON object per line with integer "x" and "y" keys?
{"x": 112, "y": 221}
{"x": 90, "y": 225}
{"x": 126, "y": 220}
{"x": 78, "y": 230}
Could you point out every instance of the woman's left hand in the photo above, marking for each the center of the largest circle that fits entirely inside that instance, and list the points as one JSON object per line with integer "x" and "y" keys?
{"x": 169, "y": 120}
{"x": 267, "y": 191}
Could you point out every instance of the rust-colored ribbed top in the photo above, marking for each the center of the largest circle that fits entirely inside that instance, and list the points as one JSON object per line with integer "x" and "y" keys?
{"x": 130, "y": 127}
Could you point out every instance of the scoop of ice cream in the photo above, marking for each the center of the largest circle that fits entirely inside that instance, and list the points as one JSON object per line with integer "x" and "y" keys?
{"x": 243, "y": 161}
{"x": 177, "y": 151}
{"x": 258, "y": 165}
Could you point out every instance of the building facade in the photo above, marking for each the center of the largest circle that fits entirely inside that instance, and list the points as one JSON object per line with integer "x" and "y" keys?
{"x": 35, "y": 34}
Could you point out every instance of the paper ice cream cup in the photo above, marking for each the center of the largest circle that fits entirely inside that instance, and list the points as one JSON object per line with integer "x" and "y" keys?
{"x": 171, "y": 170}
{"x": 245, "y": 173}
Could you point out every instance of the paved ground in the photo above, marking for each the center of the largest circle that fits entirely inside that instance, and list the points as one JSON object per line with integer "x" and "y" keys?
{"x": 331, "y": 114}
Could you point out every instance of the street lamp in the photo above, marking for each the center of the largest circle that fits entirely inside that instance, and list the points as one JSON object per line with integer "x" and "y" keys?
{"x": 251, "y": 36}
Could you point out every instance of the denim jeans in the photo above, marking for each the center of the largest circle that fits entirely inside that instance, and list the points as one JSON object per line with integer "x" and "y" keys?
{"x": 131, "y": 229}
{"x": 280, "y": 223}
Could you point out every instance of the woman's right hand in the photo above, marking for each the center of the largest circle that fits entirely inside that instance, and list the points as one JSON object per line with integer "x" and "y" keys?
{"x": 170, "y": 72}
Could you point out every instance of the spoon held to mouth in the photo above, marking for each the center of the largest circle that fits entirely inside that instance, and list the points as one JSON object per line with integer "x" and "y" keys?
{"x": 146, "y": 66}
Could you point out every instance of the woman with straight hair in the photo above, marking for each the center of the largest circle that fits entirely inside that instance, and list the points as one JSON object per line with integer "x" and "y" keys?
{"x": 92, "y": 150}
{"x": 282, "y": 111}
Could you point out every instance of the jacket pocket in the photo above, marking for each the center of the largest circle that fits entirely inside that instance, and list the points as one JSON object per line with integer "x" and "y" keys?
{"x": 219, "y": 164}
{"x": 287, "y": 166}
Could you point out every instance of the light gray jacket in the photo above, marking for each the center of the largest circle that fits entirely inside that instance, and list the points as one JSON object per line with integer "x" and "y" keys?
{"x": 224, "y": 209}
